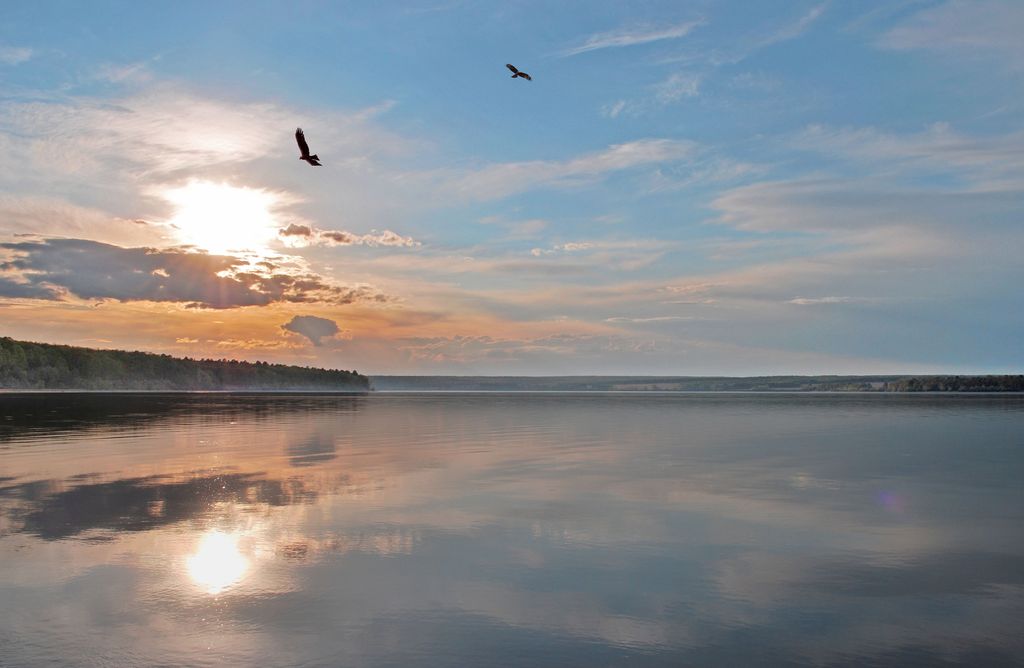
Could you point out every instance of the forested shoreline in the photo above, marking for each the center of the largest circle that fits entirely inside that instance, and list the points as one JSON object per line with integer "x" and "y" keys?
{"x": 44, "y": 366}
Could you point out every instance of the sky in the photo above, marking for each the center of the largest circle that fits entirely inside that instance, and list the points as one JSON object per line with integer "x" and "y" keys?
{"x": 684, "y": 188}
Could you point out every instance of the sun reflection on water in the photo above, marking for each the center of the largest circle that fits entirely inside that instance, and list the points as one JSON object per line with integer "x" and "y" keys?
{"x": 217, "y": 563}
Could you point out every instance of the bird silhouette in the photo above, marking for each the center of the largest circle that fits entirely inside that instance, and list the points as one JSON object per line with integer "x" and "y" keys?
{"x": 313, "y": 160}
{"x": 517, "y": 73}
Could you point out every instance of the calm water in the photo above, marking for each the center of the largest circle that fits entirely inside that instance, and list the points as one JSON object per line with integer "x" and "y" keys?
{"x": 511, "y": 530}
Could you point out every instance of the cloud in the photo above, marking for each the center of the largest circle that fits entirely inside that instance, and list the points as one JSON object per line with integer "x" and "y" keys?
{"x": 165, "y": 129}
{"x": 576, "y": 246}
{"x": 669, "y": 91}
{"x": 570, "y": 247}
{"x": 863, "y": 209}
{"x": 47, "y": 216}
{"x": 312, "y": 327}
{"x": 305, "y": 235}
{"x": 794, "y": 30}
{"x": 988, "y": 162}
{"x": 517, "y": 229}
{"x": 678, "y": 86}
{"x": 504, "y": 179}
{"x": 691, "y": 288}
{"x": 253, "y": 344}
{"x": 162, "y": 130}
{"x": 294, "y": 230}
{"x": 767, "y": 37}
{"x": 25, "y": 290}
{"x": 990, "y": 28}
{"x": 632, "y": 36}
{"x": 92, "y": 270}
{"x": 684, "y": 85}
{"x": 614, "y": 109}
{"x": 470, "y": 350}
{"x": 811, "y": 301}
{"x": 657, "y": 318}
{"x": 595, "y": 257}
{"x": 15, "y": 55}
{"x": 135, "y": 73}
{"x": 385, "y": 238}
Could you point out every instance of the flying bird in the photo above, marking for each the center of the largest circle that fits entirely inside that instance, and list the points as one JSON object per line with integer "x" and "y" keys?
{"x": 313, "y": 160}
{"x": 517, "y": 73}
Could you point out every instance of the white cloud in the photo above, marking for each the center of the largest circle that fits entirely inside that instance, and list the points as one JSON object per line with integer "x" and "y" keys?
{"x": 576, "y": 246}
{"x": 854, "y": 211}
{"x": 678, "y": 86}
{"x": 632, "y": 36}
{"x": 46, "y": 216}
{"x": 811, "y": 301}
{"x": 794, "y": 30}
{"x": 165, "y": 130}
{"x": 991, "y": 28}
{"x": 783, "y": 33}
{"x": 134, "y": 73}
{"x": 988, "y": 162}
{"x": 652, "y": 319}
{"x": 517, "y": 229}
{"x": 615, "y": 108}
{"x": 15, "y": 55}
{"x": 671, "y": 90}
{"x": 504, "y": 179}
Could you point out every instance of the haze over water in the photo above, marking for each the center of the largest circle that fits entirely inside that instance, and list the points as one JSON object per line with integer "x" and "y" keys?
{"x": 511, "y": 529}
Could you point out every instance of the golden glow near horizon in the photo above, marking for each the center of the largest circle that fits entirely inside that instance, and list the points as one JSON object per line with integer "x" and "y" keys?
{"x": 217, "y": 217}
{"x": 217, "y": 562}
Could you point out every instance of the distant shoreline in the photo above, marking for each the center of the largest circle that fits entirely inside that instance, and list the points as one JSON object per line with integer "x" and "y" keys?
{"x": 872, "y": 384}
{"x": 14, "y": 393}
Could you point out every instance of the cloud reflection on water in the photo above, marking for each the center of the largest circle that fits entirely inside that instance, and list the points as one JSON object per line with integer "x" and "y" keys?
{"x": 652, "y": 530}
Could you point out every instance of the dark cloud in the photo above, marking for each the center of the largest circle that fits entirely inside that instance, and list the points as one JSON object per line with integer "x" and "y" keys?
{"x": 10, "y": 288}
{"x": 294, "y": 230}
{"x": 312, "y": 327}
{"x": 141, "y": 504}
{"x": 339, "y": 237}
{"x": 93, "y": 270}
{"x": 304, "y": 235}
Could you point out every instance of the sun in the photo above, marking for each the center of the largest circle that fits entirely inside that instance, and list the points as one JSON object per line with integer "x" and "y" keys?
{"x": 218, "y": 217}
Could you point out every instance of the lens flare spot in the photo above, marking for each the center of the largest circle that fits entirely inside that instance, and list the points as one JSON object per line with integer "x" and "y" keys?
{"x": 892, "y": 502}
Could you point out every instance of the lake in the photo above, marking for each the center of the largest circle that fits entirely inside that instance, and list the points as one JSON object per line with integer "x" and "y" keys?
{"x": 511, "y": 530}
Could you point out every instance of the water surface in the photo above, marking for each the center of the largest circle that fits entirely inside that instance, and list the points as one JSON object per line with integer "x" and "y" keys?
{"x": 511, "y": 530}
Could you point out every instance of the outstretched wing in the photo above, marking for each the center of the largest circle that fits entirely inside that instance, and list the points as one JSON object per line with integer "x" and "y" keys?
{"x": 301, "y": 139}
{"x": 512, "y": 67}
{"x": 526, "y": 76}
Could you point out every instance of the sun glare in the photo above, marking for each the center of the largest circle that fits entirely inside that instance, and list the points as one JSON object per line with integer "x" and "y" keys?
{"x": 217, "y": 563}
{"x": 218, "y": 217}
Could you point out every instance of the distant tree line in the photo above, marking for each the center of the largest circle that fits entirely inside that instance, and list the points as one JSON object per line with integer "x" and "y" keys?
{"x": 957, "y": 384}
{"x": 892, "y": 383}
{"x": 25, "y": 365}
